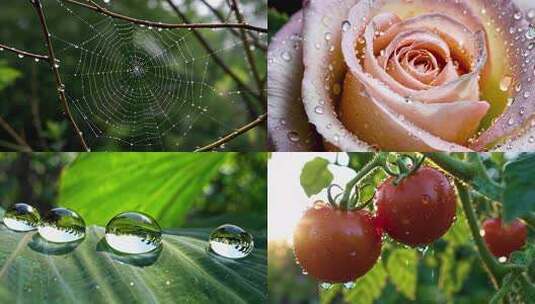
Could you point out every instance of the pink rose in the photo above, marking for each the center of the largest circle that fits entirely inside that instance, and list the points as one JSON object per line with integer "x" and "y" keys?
{"x": 403, "y": 75}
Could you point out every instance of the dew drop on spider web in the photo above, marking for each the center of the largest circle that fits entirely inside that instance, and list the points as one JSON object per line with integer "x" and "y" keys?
{"x": 133, "y": 233}
{"x": 21, "y": 217}
{"x": 231, "y": 241}
{"x": 62, "y": 225}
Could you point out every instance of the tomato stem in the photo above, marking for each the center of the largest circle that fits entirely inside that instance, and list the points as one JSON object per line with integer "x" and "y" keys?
{"x": 460, "y": 169}
{"x": 472, "y": 171}
{"x": 497, "y": 270}
{"x": 377, "y": 161}
{"x": 530, "y": 219}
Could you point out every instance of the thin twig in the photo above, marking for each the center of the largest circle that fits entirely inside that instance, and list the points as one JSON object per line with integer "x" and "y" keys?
{"x": 12, "y": 146}
{"x": 248, "y": 53}
{"x": 105, "y": 11}
{"x": 6, "y": 126}
{"x": 234, "y": 134}
{"x": 34, "y": 103}
{"x": 53, "y": 63}
{"x": 219, "y": 61}
{"x": 23, "y": 53}
{"x": 222, "y": 19}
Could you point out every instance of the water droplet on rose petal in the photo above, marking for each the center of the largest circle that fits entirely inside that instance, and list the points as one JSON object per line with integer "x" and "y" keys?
{"x": 530, "y": 33}
{"x": 326, "y": 285}
{"x": 286, "y": 56}
{"x": 346, "y": 25}
{"x": 349, "y": 285}
{"x": 505, "y": 83}
{"x": 318, "y": 110}
{"x": 293, "y": 136}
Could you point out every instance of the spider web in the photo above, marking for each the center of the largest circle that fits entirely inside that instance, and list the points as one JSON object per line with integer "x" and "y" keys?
{"x": 134, "y": 87}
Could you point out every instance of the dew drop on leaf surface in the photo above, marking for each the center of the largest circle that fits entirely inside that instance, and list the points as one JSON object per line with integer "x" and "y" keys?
{"x": 231, "y": 241}
{"x": 62, "y": 225}
{"x": 133, "y": 233}
{"x": 21, "y": 217}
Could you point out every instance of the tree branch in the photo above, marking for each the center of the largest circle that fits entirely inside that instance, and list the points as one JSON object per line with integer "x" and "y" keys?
{"x": 222, "y": 19}
{"x": 234, "y": 134}
{"x": 488, "y": 259}
{"x": 53, "y": 62}
{"x": 247, "y": 49}
{"x": 219, "y": 61}
{"x": 22, "y": 53}
{"x": 100, "y": 9}
{"x": 14, "y": 134}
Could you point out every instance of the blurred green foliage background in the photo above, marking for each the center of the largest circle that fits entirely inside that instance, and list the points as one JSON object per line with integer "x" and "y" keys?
{"x": 31, "y": 106}
{"x": 178, "y": 189}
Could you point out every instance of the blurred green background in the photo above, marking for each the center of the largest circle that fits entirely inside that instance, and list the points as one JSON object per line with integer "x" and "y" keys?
{"x": 201, "y": 190}
{"x": 32, "y": 109}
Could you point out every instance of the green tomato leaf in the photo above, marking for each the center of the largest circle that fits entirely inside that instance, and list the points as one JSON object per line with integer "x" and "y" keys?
{"x": 101, "y": 185}
{"x": 453, "y": 273}
{"x": 369, "y": 287}
{"x": 459, "y": 233}
{"x": 328, "y": 296}
{"x": 519, "y": 193}
{"x": 183, "y": 271}
{"x": 315, "y": 176}
{"x": 402, "y": 267}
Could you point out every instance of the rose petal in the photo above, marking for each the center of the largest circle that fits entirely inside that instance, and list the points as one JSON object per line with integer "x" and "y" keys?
{"x": 512, "y": 56}
{"x": 463, "y": 88}
{"x": 325, "y": 69}
{"x": 375, "y": 122}
{"x": 436, "y": 118}
{"x": 288, "y": 125}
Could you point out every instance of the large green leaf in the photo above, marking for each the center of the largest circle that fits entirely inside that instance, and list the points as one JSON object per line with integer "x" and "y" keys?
{"x": 402, "y": 267}
{"x": 519, "y": 194}
{"x": 183, "y": 272}
{"x": 315, "y": 176}
{"x": 101, "y": 185}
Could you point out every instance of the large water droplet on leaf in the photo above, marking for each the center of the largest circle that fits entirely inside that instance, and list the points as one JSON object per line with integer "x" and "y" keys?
{"x": 231, "y": 241}
{"x": 21, "y": 217}
{"x": 133, "y": 233}
{"x": 62, "y": 225}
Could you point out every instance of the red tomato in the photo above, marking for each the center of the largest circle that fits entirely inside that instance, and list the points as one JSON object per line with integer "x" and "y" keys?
{"x": 419, "y": 210}
{"x": 503, "y": 239}
{"x": 335, "y": 245}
